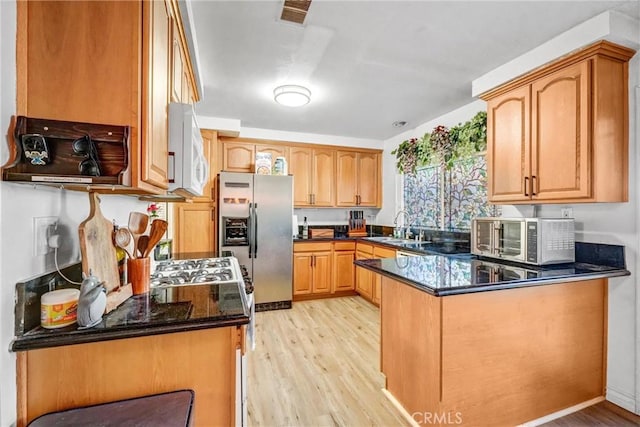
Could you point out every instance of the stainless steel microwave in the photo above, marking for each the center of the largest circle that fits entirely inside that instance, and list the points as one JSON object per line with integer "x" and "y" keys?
{"x": 536, "y": 241}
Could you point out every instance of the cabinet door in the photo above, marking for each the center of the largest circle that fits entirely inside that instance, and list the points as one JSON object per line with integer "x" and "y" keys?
{"x": 177, "y": 65}
{"x": 343, "y": 268}
{"x": 302, "y": 273}
{"x": 275, "y": 151}
{"x": 195, "y": 229}
{"x": 238, "y": 157}
{"x": 154, "y": 152}
{"x": 323, "y": 182}
{"x": 560, "y": 135}
{"x": 209, "y": 142}
{"x": 346, "y": 178}
{"x": 321, "y": 272}
{"x": 508, "y": 146}
{"x": 300, "y": 166}
{"x": 364, "y": 278}
{"x": 369, "y": 179}
{"x": 86, "y": 73}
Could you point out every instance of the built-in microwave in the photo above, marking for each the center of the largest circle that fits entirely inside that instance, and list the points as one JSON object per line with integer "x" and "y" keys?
{"x": 536, "y": 241}
{"x": 188, "y": 170}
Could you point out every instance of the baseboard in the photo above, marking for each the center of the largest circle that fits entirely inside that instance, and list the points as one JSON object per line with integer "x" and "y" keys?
{"x": 562, "y": 413}
{"x": 399, "y": 407}
{"x": 621, "y": 399}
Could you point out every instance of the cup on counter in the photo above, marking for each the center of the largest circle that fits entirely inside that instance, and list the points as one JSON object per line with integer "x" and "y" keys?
{"x": 139, "y": 274}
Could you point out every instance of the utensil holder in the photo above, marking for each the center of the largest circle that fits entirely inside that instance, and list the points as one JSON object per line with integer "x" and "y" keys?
{"x": 139, "y": 274}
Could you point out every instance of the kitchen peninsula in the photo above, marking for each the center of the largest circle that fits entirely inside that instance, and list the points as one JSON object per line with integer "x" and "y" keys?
{"x": 181, "y": 337}
{"x": 483, "y": 343}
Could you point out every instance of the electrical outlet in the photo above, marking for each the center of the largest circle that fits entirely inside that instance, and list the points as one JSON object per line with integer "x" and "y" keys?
{"x": 41, "y": 232}
{"x": 566, "y": 212}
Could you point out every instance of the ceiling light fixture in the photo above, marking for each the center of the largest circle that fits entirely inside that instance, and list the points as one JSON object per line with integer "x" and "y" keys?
{"x": 292, "y": 95}
{"x": 399, "y": 124}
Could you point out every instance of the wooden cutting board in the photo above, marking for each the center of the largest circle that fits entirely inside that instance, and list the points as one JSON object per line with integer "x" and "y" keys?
{"x": 96, "y": 246}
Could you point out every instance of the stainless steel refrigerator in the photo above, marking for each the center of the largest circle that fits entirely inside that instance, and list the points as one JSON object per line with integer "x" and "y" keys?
{"x": 255, "y": 214}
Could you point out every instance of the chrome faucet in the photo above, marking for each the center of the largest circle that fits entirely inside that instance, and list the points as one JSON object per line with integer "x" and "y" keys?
{"x": 399, "y": 231}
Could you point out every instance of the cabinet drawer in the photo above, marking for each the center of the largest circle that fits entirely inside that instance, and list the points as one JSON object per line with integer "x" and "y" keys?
{"x": 311, "y": 246}
{"x": 364, "y": 247}
{"x": 379, "y": 252}
{"x": 344, "y": 246}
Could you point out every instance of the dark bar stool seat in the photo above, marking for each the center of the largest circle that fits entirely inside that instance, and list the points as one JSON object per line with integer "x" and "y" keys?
{"x": 172, "y": 409}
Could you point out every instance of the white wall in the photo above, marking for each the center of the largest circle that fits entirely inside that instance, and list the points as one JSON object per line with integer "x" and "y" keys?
{"x": 18, "y": 205}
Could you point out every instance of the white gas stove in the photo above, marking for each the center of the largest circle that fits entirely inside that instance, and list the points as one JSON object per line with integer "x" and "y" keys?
{"x": 196, "y": 271}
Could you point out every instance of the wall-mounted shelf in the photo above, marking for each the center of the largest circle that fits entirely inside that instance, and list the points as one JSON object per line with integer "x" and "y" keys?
{"x": 59, "y": 163}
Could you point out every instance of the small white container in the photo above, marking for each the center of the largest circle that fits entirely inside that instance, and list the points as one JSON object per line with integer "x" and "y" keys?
{"x": 59, "y": 308}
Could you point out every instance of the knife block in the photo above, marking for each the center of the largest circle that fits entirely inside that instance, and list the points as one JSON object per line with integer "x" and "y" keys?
{"x": 359, "y": 230}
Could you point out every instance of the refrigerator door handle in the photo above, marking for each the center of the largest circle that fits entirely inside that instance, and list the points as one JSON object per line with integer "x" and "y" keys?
{"x": 249, "y": 231}
{"x": 255, "y": 230}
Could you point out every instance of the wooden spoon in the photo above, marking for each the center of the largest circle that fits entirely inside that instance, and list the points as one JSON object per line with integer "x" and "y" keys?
{"x": 137, "y": 225}
{"x": 158, "y": 228}
{"x": 124, "y": 240}
{"x": 143, "y": 242}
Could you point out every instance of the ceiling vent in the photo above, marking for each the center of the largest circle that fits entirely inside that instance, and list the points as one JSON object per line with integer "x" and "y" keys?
{"x": 295, "y": 10}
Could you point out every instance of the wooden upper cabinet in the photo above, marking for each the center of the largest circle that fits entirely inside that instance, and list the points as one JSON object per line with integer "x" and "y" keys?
{"x": 156, "y": 44}
{"x": 561, "y": 141}
{"x": 177, "y": 65}
{"x": 508, "y": 146}
{"x": 313, "y": 171}
{"x": 560, "y": 133}
{"x": 358, "y": 178}
{"x": 369, "y": 179}
{"x": 275, "y": 151}
{"x": 347, "y": 178}
{"x": 300, "y": 166}
{"x": 323, "y": 178}
{"x": 238, "y": 157}
{"x": 241, "y": 156}
{"x": 92, "y": 73}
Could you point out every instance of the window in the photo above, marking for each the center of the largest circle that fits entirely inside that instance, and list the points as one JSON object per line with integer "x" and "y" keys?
{"x": 449, "y": 199}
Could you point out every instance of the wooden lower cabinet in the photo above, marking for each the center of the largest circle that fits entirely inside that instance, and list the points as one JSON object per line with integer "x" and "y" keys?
{"x": 343, "y": 271}
{"x": 379, "y": 252}
{"x": 364, "y": 277}
{"x": 323, "y": 269}
{"x": 312, "y": 268}
{"x": 58, "y": 378}
{"x": 503, "y": 357}
{"x": 195, "y": 227}
{"x": 368, "y": 284}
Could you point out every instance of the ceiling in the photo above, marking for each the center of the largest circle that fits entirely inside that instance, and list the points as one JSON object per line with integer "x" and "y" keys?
{"x": 367, "y": 63}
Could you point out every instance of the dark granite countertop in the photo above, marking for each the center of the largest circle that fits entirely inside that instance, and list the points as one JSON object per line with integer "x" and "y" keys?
{"x": 443, "y": 275}
{"x": 162, "y": 310}
{"x": 323, "y": 239}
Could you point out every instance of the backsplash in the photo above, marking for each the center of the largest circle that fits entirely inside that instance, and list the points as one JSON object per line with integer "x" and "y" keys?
{"x": 449, "y": 199}
{"x": 28, "y": 293}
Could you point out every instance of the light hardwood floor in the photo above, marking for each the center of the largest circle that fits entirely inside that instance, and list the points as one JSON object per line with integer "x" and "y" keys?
{"x": 602, "y": 414}
{"x": 318, "y": 364}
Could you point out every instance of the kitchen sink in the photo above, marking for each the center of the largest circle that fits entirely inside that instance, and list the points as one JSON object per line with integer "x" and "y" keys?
{"x": 396, "y": 241}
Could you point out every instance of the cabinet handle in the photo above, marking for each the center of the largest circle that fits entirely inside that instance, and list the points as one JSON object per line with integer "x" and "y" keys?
{"x": 526, "y": 184}
{"x": 313, "y": 199}
{"x": 313, "y": 260}
{"x": 213, "y": 214}
{"x": 310, "y": 199}
{"x": 534, "y": 181}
